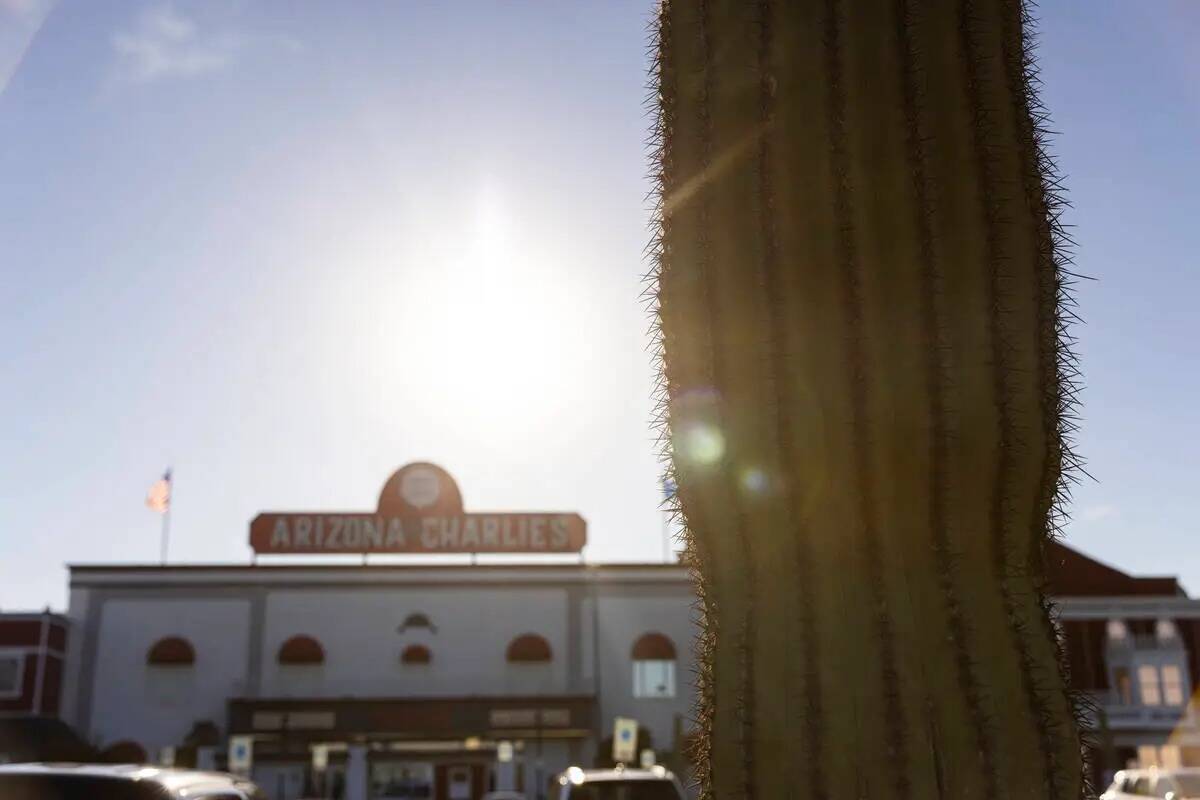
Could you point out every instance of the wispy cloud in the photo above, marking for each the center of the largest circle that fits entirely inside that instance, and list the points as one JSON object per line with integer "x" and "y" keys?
{"x": 1097, "y": 513}
{"x": 20, "y": 21}
{"x": 28, "y": 10}
{"x": 164, "y": 43}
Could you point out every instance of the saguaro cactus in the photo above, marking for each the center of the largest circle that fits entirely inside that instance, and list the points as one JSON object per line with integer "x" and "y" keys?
{"x": 866, "y": 385}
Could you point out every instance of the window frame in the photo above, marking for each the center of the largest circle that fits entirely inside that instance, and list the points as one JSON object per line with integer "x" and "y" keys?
{"x": 1148, "y": 690}
{"x": 1177, "y": 685}
{"x": 18, "y": 688}
{"x": 1123, "y": 685}
{"x": 640, "y": 666}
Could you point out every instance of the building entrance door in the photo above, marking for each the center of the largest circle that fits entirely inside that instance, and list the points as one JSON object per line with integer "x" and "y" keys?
{"x": 401, "y": 780}
{"x": 458, "y": 782}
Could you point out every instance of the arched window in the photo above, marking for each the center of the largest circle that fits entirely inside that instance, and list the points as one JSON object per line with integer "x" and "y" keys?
{"x": 171, "y": 651}
{"x": 417, "y": 620}
{"x": 653, "y": 647}
{"x": 529, "y": 648}
{"x": 416, "y": 654}
{"x": 301, "y": 649}
{"x": 653, "y": 666}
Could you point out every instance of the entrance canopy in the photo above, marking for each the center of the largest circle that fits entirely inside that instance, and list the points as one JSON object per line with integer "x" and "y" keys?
{"x": 295, "y": 723}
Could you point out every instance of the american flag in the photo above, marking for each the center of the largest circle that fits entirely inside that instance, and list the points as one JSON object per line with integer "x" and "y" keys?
{"x": 159, "y": 496}
{"x": 669, "y": 489}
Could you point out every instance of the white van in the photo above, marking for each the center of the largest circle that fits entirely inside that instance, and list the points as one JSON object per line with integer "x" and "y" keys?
{"x": 119, "y": 782}
{"x": 655, "y": 783}
{"x": 1168, "y": 784}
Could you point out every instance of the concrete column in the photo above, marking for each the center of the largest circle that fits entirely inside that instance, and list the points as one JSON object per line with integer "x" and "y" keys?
{"x": 206, "y": 758}
{"x": 356, "y": 772}
{"x": 506, "y": 776}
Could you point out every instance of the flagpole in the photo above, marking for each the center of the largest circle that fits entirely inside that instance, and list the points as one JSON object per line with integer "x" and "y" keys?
{"x": 669, "y": 489}
{"x": 666, "y": 536}
{"x": 166, "y": 533}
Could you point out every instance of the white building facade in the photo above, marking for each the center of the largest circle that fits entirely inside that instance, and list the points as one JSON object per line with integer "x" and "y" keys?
{"x": 443, "y": 682}
{"x": 416, "y": 680}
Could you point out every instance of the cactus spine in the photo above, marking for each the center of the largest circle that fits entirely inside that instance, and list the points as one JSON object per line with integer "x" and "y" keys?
{"x": 867, "y": 385}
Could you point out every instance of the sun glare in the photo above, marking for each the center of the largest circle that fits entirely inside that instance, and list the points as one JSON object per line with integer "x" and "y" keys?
{"x": 509, "y": 335}
{"x": 491, "y": 225}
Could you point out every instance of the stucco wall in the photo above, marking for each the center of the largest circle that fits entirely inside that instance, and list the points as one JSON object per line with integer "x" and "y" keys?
{"x": 359, "y": 630}
{"x": 237, "y": 620}
{"x": 626, "y": 614}
{"x": 155, "y": 705}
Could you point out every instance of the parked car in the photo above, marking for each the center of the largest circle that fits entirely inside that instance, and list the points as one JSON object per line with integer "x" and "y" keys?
{"x": 120, "y": 782}
{"x": 656, "y": 783}
{"x": 1169, "y": 784}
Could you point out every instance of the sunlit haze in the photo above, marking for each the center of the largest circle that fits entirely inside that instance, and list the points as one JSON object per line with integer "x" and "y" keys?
{"x": 285, "y": 248}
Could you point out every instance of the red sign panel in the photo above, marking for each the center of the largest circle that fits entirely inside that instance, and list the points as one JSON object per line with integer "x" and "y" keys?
{"x": 420, "y": 511}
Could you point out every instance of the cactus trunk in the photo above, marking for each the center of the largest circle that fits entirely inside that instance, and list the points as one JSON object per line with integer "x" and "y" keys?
{"x": 861, "y": 302}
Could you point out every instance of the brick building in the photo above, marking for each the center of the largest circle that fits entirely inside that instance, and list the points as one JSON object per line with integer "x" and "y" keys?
{"x": 32, "y": 654}
{"x": 1133, "y": 644}
{"x": 32, "y": 649}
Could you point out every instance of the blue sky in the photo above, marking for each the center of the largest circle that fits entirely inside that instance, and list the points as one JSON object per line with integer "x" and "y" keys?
{"x": 288, "y": 247}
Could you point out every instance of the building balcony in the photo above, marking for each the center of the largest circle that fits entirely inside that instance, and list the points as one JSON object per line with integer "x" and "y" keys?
{"x": 1146, "y": 641}
{"x": 1123, "y": 714}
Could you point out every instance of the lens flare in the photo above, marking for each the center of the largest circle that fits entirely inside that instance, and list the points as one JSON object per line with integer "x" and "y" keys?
{"x": 703, "y": 443}
{"x": 755, "y": 481}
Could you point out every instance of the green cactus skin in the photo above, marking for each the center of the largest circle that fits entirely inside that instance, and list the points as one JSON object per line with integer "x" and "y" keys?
{"x": 861, "y": 298}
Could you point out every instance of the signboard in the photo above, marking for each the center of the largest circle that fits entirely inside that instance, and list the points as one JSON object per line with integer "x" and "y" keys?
{"x": 166, "y": 756}
{"x": 420, "y": 511}
{"x": 624, "y": 740}
{"x": 241, "y": 754}
{"x": 320, "y": 757}
{"x": 504, "y": 752}
{"x": 647, "y": 758}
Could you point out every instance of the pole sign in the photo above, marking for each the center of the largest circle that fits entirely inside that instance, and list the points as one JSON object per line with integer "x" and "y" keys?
{"x": 420, "y": 511}
{"x": 504, "y": 752}
{"x": 647, "y": 758}
{"x": 166, "y": 756}
{"x": 320, "y": 757}
{"x": 624, "y": 740}
{"x": 241, "y": 754}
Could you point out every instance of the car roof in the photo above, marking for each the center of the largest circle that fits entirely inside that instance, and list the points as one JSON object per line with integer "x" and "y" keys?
{"x": 1153, "y": 772}
{"x": 592, "y": 775}
{"x": 176, "y": 780}
{"x": 1149, "y": 771}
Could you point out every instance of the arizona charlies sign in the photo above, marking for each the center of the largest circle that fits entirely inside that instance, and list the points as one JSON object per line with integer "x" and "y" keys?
{"x": 420, "y": 511}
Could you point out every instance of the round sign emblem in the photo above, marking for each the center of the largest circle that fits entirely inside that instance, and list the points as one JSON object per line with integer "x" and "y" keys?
{"x": 420, "y": 487}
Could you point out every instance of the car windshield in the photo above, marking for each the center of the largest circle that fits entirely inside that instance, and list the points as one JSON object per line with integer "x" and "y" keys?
{"x": 76, "y": 787}
{"x": 625, "y": 790}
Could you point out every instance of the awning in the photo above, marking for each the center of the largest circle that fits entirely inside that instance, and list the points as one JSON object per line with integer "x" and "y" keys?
{"x": 437, "y": 719}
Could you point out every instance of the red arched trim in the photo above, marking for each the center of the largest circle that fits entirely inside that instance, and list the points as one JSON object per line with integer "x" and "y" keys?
{"x": 301, "y": 649}
{"x": 529, "y": 648}
{"x": 416, "y": 654}
{"x": 653, "y": 647}
{"x": 417, "y": 620}
{"x": 171, "y": 651}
